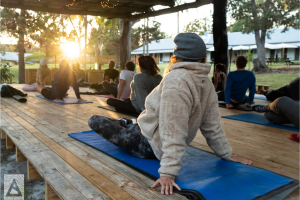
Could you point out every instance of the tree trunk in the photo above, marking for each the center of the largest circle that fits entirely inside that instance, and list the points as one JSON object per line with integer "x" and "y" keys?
{"x": 125, "y": 43}
{"x": 85, "y": 38}
{"x": 21, "y": 48}
{"x": 260, "y": 38}
{"x": 220, "y": 33}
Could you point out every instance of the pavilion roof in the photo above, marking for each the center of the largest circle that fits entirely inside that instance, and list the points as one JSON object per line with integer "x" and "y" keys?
{"x": 124, "y": 9}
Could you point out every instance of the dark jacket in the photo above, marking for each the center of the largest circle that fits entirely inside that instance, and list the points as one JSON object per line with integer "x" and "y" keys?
{"x": 63, "y": 79}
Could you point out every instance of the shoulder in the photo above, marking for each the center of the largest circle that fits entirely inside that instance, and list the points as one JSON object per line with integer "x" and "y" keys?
{"x": 116, "y": 71}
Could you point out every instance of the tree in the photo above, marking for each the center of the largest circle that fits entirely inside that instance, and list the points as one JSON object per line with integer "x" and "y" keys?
{"x": 51, "y": 28}
{"x": 36, "y": 56}
{"x": 237, "y": 26}
{"x": 198, "y": 26}
{"x": 261, "y": 15}
{"x": 139, "y": 34}
{"x": 19, "y": 25}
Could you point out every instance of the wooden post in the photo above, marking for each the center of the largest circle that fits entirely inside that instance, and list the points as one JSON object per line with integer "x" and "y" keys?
{"x": 3, "y": 135}
{"x": 125, "y": 43}
{"x": 220, "y": 32}
{"x": 31, "y": 172}
{"x": 9, "y": 143}
{"x": 50, "y": 193}
{"x": 19, "y": 156}
{"x": 282, "y": 53}
{"x": 163, "y": 58}
{"x": 265, "y": 53}
{"x": 21, "y": 47}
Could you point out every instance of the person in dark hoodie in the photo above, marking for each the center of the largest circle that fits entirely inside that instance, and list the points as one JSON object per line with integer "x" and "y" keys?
{"x": 237, "y": 84}
{"x": 63, "y": 79}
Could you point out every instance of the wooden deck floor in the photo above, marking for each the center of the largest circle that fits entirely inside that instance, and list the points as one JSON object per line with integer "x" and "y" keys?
{"x": 268, "y": 148}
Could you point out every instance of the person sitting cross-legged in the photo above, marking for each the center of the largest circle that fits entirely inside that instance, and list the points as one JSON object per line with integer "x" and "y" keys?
{"x": 182, "y": 103}
{"x": 141, "y": 86}
{"x": 219, "y": 78}
{"x": 63, "y": 79}
{"x": 121, "y": 91}
{"x": 237, "y": 84}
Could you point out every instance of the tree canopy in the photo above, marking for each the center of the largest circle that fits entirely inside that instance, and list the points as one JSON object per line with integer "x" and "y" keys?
{"x": 198, "y": 26}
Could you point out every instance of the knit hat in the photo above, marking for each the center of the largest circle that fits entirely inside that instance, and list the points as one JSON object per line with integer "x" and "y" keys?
{"x": 189, "y": 46}
{"x": 43, "y": 62}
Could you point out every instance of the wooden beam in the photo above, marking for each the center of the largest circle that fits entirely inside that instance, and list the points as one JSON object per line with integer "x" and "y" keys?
{"x": 50, "y": 194}
{"x": 152, "y": 2}
{"x": 9, "y": 143}
{"x": 19, "y": 156}
{"x": 32, "y": 173}
{"x": 220, "y": 33}
{"x": 185, "y": 6}
{"x": 7, "y": 4}
{"x": 3, "y": 135}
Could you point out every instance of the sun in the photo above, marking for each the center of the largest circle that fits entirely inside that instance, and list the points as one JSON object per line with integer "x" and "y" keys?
{"x": 71, "y": 49}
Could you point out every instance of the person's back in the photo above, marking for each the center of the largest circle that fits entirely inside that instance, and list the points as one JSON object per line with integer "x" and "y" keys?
{"x": 237, "y": 84}
{"x": 239, "y": 81}
{"x": 184, "y": 101}
{"x": 143, "y": 83}
{"x": 127, "y": 76}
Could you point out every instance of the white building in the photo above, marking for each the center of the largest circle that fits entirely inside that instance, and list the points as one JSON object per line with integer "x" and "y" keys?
{"x": 12, "y": 57}
{"x": 163, "y": 49}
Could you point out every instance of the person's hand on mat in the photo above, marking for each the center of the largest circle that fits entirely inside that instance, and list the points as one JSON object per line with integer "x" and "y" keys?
{"x": 57, "y": 100}
{"x": 167, "y": 184}
{"x": 239, "y": 159}
{"x": 247, "y": 104}
{"x": 229, "y": 106}
{"x": 80, "y": 99}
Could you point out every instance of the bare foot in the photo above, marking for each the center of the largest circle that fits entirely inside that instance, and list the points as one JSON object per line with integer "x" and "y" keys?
{"x": 239, "y": 159}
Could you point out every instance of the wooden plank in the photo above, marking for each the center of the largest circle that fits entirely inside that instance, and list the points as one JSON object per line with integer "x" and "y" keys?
{"x": 140, "y": 189}
{"x": 3, "y": 135}
{"x": 65, "y": 190}
{"x": 31, "y": 172}
{"x": 9, "y": 143}
{"x": 50, "y": 193}
{"x": 19, "y": 156}
{"x": 108, "y": 187}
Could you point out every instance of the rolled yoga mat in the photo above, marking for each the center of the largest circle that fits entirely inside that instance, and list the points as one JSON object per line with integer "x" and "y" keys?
{"x": 66, "y": 100}
{"x": 111, "y": 108}
{"x": 203, "y": 175}
{"x": 261, "y": 120}
{"x": 261, "y": 97}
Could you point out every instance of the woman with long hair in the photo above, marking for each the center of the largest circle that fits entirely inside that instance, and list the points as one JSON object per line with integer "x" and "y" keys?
{"x": 182, "y": 103}
{"x": 141, "y": 86}
{"x": 219, "y": 77}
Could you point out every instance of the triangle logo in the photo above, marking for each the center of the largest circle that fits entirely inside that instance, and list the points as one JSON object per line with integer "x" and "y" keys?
{"x": 13, "y": 190}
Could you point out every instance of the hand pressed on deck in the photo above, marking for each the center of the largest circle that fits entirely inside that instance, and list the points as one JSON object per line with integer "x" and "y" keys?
{"x": 167, "y": 184}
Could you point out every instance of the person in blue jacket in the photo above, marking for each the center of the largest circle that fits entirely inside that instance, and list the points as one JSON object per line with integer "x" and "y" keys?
{"x": 237, "y": 84}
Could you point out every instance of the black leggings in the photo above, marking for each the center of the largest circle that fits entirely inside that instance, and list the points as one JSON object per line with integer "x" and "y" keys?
{"x": 127, "y": 137}
{"x": 122, "y": 106}
{"x": 8, "y": 91}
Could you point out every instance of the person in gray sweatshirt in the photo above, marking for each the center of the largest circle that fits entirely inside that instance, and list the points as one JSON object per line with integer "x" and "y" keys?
{"x": 182, "y": 103}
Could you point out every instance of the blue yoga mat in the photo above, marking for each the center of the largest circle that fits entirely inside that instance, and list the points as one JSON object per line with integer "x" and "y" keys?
{"x": 261, "y": 97}
{"x": 202, "y": 172}
{"x": 61, "y": 103}
{"x": 261, "y": 120}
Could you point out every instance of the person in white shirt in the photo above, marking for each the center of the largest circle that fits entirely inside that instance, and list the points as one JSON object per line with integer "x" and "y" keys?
{"x": 122, "y": 91}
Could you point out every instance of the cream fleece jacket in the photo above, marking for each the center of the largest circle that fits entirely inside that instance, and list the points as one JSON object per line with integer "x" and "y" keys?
{"x": 184, "y": 101}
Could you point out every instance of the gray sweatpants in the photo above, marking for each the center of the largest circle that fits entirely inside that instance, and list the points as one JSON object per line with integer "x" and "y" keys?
{"x": 283, "y": 110}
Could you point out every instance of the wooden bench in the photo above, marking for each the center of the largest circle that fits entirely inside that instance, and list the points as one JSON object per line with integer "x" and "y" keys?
{"x": 61, "y": 180}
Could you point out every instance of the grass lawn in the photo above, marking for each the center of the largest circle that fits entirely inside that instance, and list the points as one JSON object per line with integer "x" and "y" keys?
{"x": 274, "y": 80}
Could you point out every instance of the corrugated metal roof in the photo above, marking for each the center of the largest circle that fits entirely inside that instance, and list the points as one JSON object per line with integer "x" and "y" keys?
{"x": 12, "y": 56}
{"x": 292, "y": 36}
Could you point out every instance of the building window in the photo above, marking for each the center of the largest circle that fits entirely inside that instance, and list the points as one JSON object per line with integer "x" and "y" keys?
{"x": 161, "y": 57}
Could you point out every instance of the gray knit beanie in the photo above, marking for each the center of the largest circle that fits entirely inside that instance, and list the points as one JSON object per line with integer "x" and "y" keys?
{"x": 189, "y": 46}
{"x": 43, "y": 62}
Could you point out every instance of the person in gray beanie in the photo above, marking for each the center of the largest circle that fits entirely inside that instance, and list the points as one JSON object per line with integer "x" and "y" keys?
{"x": 182, "y": 103}
{"x": 42, "y": 72}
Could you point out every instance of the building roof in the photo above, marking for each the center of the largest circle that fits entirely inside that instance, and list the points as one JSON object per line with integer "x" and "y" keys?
{"x": 12, "y": 56}
{"x": 234, "y": 39}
